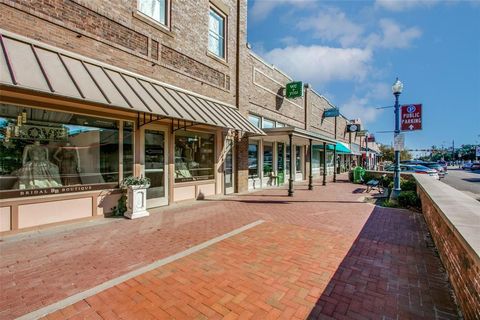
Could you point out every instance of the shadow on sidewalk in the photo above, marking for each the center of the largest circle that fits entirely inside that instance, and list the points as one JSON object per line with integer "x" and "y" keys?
{"x": 390, "y": 272}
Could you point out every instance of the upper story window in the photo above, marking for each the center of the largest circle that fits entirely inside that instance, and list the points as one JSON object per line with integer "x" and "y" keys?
{"x": 256, "y": 121}
{"x": 267, "y": 123}
{"x": 216, "y": 33}
{"x": 155, "y": 9}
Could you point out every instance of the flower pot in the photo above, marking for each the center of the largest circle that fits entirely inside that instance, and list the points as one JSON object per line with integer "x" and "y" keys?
{"x": 137, "y": 202}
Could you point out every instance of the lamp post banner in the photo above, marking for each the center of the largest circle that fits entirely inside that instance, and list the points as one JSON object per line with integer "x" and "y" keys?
{"x": 411, "y": 117}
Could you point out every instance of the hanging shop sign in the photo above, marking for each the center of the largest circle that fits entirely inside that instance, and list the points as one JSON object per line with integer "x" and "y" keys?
{"x": 371, "y": 138}
{"x": 411, "y": 117}
{"x": 294, "y": 90}
{"x": 362, "y": 133}
{"x": 353, "y": 127}
{"x": 330, "y": 113}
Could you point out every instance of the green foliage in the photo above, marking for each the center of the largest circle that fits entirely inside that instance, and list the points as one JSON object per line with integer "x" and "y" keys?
{"x": 408, "y": 185}
{"x": 408, "y": 199}
{"x": 388, "y": 154}
{"x": 134, "y": 181}
{"x": 121, "y": 207}
{"x": 390, "y": 204}
{"x": 405, "y": 185}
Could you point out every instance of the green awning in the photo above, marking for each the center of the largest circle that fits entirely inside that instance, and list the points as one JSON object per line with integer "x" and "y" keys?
{"x": 341, "y": 147}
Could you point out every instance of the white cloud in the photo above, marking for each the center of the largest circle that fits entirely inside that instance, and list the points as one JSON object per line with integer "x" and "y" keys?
{"x": 360, "y": 108}
{"x": 333, "y": 24}
{"x": 402, "y": 5}
{"x": 320, "y": 64}
{"x": 392, "y": 35}
{"x": 262, "y": 8}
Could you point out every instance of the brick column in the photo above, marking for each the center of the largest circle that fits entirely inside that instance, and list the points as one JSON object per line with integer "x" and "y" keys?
{"x": 241, "y": 163}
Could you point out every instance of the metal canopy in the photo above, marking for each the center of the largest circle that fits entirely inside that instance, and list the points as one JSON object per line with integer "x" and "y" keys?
{"x": 31, "y": 65}
{"x": 298, "y": 133}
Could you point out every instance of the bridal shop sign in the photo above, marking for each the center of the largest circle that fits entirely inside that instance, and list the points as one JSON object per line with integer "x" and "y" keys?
{"x": 34, "y": 132}
{"x": 58, "y": 190}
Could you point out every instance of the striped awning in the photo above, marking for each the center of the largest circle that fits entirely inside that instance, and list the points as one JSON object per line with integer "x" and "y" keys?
{"x": 28, "y": 64}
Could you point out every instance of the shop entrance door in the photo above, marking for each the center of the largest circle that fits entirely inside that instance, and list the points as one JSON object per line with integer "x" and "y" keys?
{"x": 228, "y": 167}
{"x": 280, "y": 163}
{"x": 155, "y": 159}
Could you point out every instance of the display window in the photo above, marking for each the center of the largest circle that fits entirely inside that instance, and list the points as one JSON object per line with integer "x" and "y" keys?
{"x": 194, "y": 156}
{"x": 298, "y": 159}
{"x": 253, "y": 159}
{"x": 267, "y": 159}
{"x": 48, "y": 152}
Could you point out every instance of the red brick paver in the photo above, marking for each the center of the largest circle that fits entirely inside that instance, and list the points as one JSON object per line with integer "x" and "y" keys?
{"x": 320, "y": 254}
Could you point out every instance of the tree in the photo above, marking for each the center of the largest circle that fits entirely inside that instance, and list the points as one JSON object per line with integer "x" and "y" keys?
{"x": 388, "y": 154}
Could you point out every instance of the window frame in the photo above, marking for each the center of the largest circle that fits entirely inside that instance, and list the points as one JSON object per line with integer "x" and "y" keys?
{"x": 150, "y": 20}
{"x": 224, "y": 16}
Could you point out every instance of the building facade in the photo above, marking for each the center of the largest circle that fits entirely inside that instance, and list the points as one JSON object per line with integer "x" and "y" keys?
{"x": 96, "y": 91}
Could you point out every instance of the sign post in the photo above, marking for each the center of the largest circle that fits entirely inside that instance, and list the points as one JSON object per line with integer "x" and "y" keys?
{"x": 294, "y": 90}
{"x": 411, "y": 117}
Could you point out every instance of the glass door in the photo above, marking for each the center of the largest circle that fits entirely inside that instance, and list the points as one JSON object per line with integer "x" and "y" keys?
{"x": 155, "y": 151}
{"x": 228, "y": 166}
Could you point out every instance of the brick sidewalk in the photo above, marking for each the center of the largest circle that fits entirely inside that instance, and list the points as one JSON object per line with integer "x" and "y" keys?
{"x": 319, "y": 254}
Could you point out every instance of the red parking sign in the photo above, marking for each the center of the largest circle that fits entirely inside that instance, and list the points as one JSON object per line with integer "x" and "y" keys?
{"x": 411, "y": 117}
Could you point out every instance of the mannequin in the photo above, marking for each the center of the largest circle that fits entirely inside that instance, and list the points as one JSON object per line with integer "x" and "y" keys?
{"x": 68, "y": 160}
{"x": 37, "y": 171}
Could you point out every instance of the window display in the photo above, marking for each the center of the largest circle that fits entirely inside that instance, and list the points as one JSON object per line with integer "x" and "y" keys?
{"x": 49, "y": 149}
{"x": 253, "y": 159}
{"x": 298, "y": 159}
{"x": 267, "y": 158}
{"x": 194, "y": 156}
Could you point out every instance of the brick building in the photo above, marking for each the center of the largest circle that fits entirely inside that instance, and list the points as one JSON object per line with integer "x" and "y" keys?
{"x": 95, "y": 91}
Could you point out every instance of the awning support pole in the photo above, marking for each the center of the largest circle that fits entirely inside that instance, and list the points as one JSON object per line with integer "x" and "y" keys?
{"x": 335, "y": 163}
{"x": 310, "y": 177}
{"x": 324, "y": 164}
{"x": 290, "y": 180}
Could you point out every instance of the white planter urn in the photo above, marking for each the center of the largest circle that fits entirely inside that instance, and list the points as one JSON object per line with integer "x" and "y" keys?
{"x": 136, "y": 202}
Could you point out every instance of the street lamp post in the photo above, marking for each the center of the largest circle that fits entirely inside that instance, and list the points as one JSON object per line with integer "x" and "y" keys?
{"x": 397, "y": 88}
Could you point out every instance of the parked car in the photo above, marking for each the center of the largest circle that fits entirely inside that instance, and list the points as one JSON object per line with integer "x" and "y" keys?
{"x": 475, "y": 166}
{"x": 416, "y": 169}
{"x": 432, "y": 165}
{"x": 443, "y": 164}
{"x": 467, "y": 165}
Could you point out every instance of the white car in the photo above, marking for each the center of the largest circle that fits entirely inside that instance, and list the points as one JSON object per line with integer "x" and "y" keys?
{"x": 414, "y": 168}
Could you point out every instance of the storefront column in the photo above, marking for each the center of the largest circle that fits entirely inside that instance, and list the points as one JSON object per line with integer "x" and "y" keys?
{"x": 292, "y": 164}
{"x": 335, "y": 162}
{"x": 324, "y": 164}
{"x": 310, "y": 177}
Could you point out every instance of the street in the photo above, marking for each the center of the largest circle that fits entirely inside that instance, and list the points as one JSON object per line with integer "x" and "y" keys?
{"x": 464, "y": 180}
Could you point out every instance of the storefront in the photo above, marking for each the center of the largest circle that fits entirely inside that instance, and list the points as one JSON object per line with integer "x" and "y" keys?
{"x": 72, "y": 128}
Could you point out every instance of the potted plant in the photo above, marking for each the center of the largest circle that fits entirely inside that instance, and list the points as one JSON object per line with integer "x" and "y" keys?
{"x": 136, "y": 188}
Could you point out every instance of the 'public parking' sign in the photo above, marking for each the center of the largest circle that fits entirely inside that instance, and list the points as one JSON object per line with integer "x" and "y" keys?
{"x": 411, "y": 117}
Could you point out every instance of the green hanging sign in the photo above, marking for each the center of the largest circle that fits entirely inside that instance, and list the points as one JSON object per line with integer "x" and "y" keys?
{"x": 294, "y": 90}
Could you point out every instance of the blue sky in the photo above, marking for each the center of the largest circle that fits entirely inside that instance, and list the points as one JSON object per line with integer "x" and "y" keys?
{"x": 352, "y": 51}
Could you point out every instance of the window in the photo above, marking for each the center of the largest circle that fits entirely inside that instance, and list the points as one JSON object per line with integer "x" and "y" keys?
{"x": 316, "y": 159}
{"x": 298, "y": 158}
{"x": 155, "y": 9}
{"x": 42, "y": 149}
{"x": 216, "y": 34}
{"x": 254, "y": 120}
{"x": 280, "y": 125}
{"x": 253, "y": 159}
{"x": 267, "y": 123}
{"x": 287, "y": 158}
{"x": 267, "y": 158}
{"x": 194, "y": 156}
